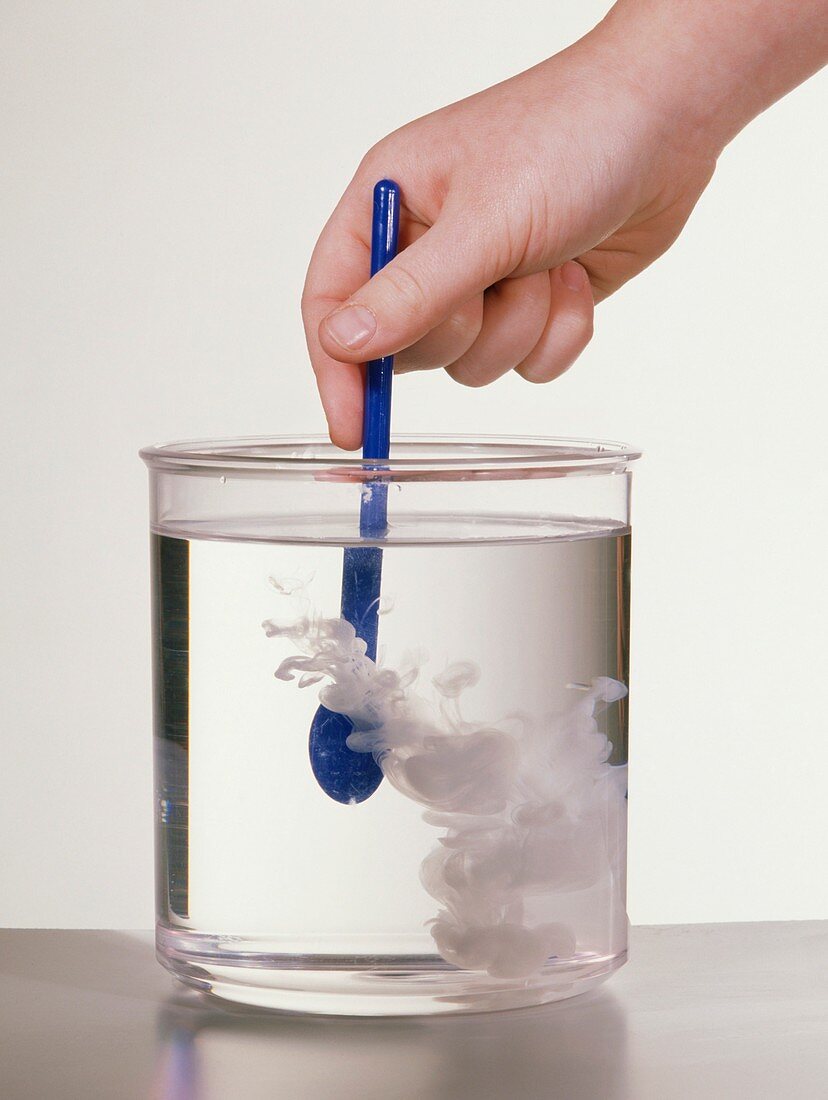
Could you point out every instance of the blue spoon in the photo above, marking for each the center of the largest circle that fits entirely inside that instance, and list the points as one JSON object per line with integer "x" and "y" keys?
{"x": 345, "y": 775}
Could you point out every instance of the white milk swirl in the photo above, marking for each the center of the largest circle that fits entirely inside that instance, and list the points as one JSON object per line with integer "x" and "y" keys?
{"x": 529, "y": 809}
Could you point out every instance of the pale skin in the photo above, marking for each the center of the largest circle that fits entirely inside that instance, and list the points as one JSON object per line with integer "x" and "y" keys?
{"x": 528, "y": 203}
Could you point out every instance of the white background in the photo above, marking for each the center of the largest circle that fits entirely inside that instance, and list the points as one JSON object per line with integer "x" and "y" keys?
{"x": 166, "y": 169}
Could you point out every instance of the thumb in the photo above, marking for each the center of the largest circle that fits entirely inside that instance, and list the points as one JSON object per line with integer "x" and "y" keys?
{"x": 440, "y": 271}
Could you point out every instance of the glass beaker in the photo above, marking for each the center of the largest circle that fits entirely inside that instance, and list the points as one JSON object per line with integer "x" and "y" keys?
{"x": 458, "y": 843}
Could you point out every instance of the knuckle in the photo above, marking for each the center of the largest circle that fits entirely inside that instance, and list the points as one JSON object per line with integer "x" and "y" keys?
{"x": 407, "y": 289}
{"x": 464, "y": 328}
{"x": 366, "y": 165}
{"x": 376, "y": 156}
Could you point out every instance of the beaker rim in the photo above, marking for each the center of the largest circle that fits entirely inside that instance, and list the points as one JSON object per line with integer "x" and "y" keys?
{"x": 412, "y": 456}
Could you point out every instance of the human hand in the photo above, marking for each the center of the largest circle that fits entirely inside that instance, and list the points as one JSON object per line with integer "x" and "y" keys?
{"x": 522, "y": 206}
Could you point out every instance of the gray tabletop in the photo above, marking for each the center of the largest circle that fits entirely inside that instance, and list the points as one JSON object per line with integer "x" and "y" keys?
{"x": 700, "y": 1011}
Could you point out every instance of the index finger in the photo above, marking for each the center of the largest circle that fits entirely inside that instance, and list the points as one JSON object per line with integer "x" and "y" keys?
{"x": 339, "y": 264}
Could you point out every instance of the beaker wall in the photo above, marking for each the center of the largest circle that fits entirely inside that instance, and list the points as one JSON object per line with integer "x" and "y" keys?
{"x": 487, "y": 869}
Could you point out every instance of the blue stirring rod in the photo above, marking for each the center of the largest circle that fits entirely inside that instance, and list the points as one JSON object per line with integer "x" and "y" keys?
{"x": 345, "y": 775}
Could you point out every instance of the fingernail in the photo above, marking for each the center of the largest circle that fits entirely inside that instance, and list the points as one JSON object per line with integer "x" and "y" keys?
{"x": 573, "y": 275}
{"x": 351, "y": 326}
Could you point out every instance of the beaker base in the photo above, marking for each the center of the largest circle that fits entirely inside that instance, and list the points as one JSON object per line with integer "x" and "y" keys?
{"x": 234, "y": 968}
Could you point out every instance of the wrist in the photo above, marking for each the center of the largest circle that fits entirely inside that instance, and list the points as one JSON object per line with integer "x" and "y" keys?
{"x": 704, "y": 68}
